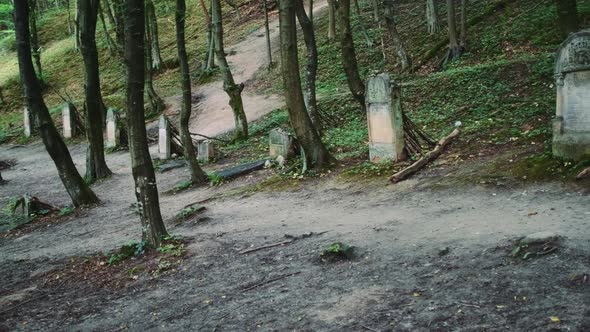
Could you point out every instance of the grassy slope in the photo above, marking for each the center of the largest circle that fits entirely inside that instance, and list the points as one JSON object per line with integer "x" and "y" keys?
{"x": 63, "y": 66}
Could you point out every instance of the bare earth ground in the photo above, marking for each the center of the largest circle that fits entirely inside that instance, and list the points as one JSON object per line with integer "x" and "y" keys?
{"x": 397, "y": 282}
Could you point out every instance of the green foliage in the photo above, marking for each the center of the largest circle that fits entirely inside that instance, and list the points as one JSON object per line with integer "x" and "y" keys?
{"x": 215, "y": 179}
{"x": 175, "y": 249}
{"x": 188, "y": 212}
{"x": 337, "y": 251}
{"x": 66, "y": 210}
{"x": 127, "y": 251}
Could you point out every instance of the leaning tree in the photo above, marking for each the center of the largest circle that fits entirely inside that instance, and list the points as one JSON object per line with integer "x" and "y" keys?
{"x": 78, "y": 190}
{"x": 146, "y": 190}
{"x": 348, "y": 54}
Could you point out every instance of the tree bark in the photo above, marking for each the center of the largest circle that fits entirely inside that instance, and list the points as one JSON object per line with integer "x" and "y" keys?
{"x": 315, "y": 153}
{"x": 76, "y": 26}
{"x": 267, "y": 33}
{"x": 331, "y": 20}
{"x": 109, "y": 11}
{"x": 152, "y": 26}
{"x": 210, "y": 42}
{"x": 35, "y": 48}
{"x": 567, "y": 13}
{"x": 312, "y": 64}
{"x": 156, "y": 103}
{"x": 70, "y": 30}
{"x": 146, "y": 190}
{"x": 233, "y": 90}
{"x": 119, "y": 16}
{"x": 463, "y": 36}
{"x": 432, "y": 17}
{"x": 398, "y": 44}
{"x": 78, "y": 190}
{"x": 355, "y": 83}
{"x": 205, "y": 12}
{"x": 197, "y": 174}
{"x": 455, "y": 49}
{"x": 96, "y": 166}
{"x": 110, "y": 43}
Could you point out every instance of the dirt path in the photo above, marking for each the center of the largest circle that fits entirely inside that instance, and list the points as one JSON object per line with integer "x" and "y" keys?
{"x": 214, "y": 116}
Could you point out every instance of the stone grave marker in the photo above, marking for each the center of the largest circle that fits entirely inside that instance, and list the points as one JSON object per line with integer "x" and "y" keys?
{"x": 28, "y": 122}
{"x": 280, "y": 143}
{"x": 113, "y": 135}
{"x": 385, "y": 120}
{"x": 205, "y": 151}
{"x": 69, "y": 128}
{"x": 164, "y": 139}
{"x": 571, "y": 126}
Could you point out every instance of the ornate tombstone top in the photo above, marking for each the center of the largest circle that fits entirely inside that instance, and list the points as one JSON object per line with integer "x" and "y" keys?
{"x": 378, "y": 89}
{"x": 573, "y": 54}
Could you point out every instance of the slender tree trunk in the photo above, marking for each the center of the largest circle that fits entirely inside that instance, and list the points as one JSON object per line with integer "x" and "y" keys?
{"x": 119, "y": 16}
{"x": 156, "y": 103}
{"x": 76, "y": 25}
{"x": 267, "y": 32}
{"x": 376, "y": 15}
{"x": 78, "y": 190}
{"x": 146, "y": 190}
{"x": 35, "y": 48}
{"x": 315, "y": 153}
{"x": 310, "y": 12}
{"x": 152, "y": 26}
{"x": 210, "y": 58}
{"x": 312, "y": 64}
{"x": 108, "y": 9}
{"x": 96, "y": 166}
{"x": 362, "y": 25}
{"x": 454, "y": 50}
{"x": 1, "y": 97}
{"x": 70, "y": 30}
{"x": 567, "y": 13}
{"x": 205, "y": 11}
{"x": 235, "y": 6}
{"x": 110, "y": 43}
{"x": 355, "y": 83}
{"x": 432, "y": 17}
{"x": 463, "y": 38}
{"x": 233, "y": 90}
{"x": 398, "y": 44}
{"x": 197, "y": 174}
{"x": 331, "y": 20}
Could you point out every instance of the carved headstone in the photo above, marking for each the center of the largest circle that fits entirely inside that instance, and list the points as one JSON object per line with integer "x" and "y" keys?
{"x": 571, "y": 126}
{"x": 205, "y": 151}
{"x": 113, "y": 135}
{"x": 385, "y": 120}
{"x": 280, "y": 143}
{"x": 28, "y": 122}
{"x": 69, "y": 127}
{"x": 164, "y": 140}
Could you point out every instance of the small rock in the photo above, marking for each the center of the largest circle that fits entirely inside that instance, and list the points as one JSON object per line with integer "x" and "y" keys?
{"x": 281, "y": 161}
{"x": 267, "y": 164}
{"x": 539, "y": 238}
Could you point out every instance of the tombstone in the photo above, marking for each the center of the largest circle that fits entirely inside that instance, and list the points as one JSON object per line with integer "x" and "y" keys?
{"x": 69, "y": 127}
{"x": 164, "y": 140}
{"x": 205, "y": 151}
{"x": 385, "y": 120}
{"x": 28, "y": 122}
{"x": 571, "y": 126}
{"x": 113, "y": 135}
{"x": 280, "y": 143}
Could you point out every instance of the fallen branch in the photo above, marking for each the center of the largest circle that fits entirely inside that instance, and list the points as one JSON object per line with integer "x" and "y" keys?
{"x": 430, "y": 156}
{"x": 583, "y": 174}
{"x": 270, "y": 280}
{"x": 247, "y": 251}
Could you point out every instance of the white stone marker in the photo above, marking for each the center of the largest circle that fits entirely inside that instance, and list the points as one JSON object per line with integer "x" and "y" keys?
{"x": 164, "y": 143}
{"x": 205, "y": 151}
{"x": 385, "y": 120}
{"x": 28, "y": 122}
{"x": 571, "y": 126}
{"x": 279, "y": 143}
{"x": 112, "y": 131}
{"x": 69, "y": 130}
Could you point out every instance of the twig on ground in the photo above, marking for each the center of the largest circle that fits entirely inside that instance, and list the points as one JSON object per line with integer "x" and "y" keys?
{"x": 247, "y": 251}
{"x": 270, "y": 280}
{"x": 470, "y": 305}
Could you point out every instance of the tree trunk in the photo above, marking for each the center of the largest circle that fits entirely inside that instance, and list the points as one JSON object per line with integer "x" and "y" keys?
{"x": 146, "y": 190}
{"x": 70, "y": 30}
{"x": 331, "y": 20}
{"x": 152, "y": 26}
{"x": 110, "y": 43}
{"x": 400, "y": 49}
{"x": 1, "y": 97}
{"x": 463, "y": 38}
{"x": 432, "y": 17}
{"x": 235, "y": 6}
{"x": 361, "y": 24}
{"x": 76, "y": 25}
{"x": 267, "y": 32}
{"x": 233, "y": 90}
{"x": 156, "y": 103}
{"x": 315, "y": 152}
{"x": 210, "y": 42}
{"x": 119, "y": 16}
{"x": 35, "y": 48}
{"x": 454, "y": 50}
{"x": 108, "y": 9}
{"x": 96, "y": 166}
{"x": 567, "y": 13}
{"x": 355, "y": 83}
{"x": 205, "y": 12}
{"x": 312, "y": 64}
{"x": 310, "y": 12}
{"x": 197, "y": 174}
{"x": 78, "y": 190}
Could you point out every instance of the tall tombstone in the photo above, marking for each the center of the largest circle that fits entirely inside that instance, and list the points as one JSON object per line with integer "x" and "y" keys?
{"x": 113, "y": 135}
{"x": 28, "y": 122}
{"x": 164, "y": 140}
{"x": 385, "y": 120}
{"x": 69, "y": 127}
{"x": 571, "y": 126}
{"x": 280, "y": 143}
{"x": 205, "y": 151}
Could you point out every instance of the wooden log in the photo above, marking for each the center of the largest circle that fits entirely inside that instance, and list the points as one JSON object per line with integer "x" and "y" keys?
{"x": 583, "y": 174}
{"x": 430, "y": 156}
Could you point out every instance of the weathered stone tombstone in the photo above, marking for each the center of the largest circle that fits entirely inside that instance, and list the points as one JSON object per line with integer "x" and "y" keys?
{"x": 113, "y": 134}
{"x": 280, "y": 143}
{"x": 205, "y": 151}
{"x": 385, "y": 120}
{"x": 571, "y": 126}
{"x": 164, "y": 139}
{"x": 69, "y": 127}
{"x": 28, "y": 122}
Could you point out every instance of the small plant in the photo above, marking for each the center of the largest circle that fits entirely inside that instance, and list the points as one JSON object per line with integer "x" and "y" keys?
{"x": 184, "y": 185}
{"x": 66, "y": 210}
{"x": 337, "y": 251}
{"x": 127, "y": 251}
{"x": 189, "y": 211}
{"x": 215, "y": 179}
